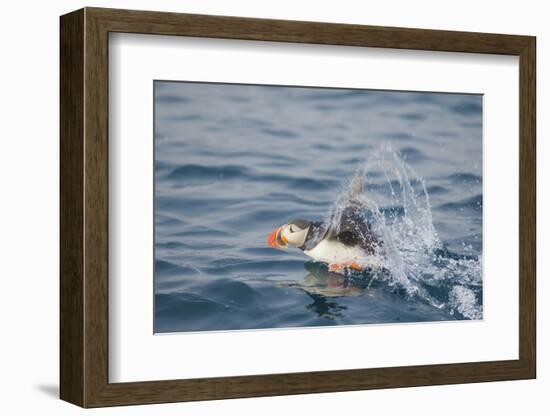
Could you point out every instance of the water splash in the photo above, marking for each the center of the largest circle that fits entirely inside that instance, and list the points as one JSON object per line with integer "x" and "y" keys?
{"x": 395, "y": 202}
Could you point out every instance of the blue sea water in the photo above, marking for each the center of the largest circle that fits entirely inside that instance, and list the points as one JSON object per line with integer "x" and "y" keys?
{"x": 232, "y": 162}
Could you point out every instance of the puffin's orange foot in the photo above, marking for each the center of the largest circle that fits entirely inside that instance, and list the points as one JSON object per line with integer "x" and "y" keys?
{"x": 356, "y": 266}
{"x": 336, "y": 267}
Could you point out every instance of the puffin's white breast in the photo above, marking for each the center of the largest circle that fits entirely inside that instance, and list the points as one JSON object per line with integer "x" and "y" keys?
{"x": 334, "y": 252}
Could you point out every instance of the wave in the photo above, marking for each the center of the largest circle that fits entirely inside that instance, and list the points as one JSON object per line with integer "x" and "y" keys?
{"x": 166, "y": 269}
{"x": 413, "y": 116}
{"x": 200, "y": 172}
{"x": 464, "y": 178}
{"x": 280, "y": 133}
{"x": 171, "y": 99}
{"x": 296, "y": 183}
{"x": 467, "y": 108}
{"x": 475, "y": 202}
{"x": 412, "y": 155}
{"x": 332, "y": 95}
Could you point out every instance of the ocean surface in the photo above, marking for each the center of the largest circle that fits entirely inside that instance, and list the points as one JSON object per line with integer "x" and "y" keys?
{"x": 233, "y": 162}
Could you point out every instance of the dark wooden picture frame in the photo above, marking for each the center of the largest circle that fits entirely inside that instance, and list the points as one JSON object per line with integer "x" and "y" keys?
{"x": 84, "y": 207}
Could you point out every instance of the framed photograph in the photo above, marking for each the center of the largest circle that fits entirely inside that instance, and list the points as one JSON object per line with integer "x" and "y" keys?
{"x": 255, "y": 207}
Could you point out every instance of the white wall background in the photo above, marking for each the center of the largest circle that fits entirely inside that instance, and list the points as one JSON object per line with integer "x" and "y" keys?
{"x": 29, "y": 85}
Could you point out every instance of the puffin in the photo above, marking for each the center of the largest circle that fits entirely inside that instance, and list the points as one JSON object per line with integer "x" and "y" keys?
{"x": 346, "y": 242}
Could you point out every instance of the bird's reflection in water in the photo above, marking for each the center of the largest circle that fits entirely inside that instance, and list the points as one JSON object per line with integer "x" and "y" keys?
{"x": 323, "y": 308}
{"x": 326, "y": 287}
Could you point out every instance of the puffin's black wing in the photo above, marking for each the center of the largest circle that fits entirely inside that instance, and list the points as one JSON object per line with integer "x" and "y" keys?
{"x": 315, "y": 234}
{"x": 353, "y": 229}
{"x": 348, "y": 238}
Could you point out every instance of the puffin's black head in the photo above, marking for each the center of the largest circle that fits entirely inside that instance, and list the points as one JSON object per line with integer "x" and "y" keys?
{"x": 292, "y": 234}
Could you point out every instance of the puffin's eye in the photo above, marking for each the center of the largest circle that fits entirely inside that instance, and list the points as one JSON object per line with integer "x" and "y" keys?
{"x": 291, "y": 229}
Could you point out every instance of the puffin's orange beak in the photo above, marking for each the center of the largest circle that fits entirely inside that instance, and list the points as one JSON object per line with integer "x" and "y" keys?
{"x": 276, "y": 240}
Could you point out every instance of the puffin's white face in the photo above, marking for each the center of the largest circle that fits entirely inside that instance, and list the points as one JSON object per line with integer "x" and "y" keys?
{"x": 294, "y": 235}
{"x": 289, "y": 235}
